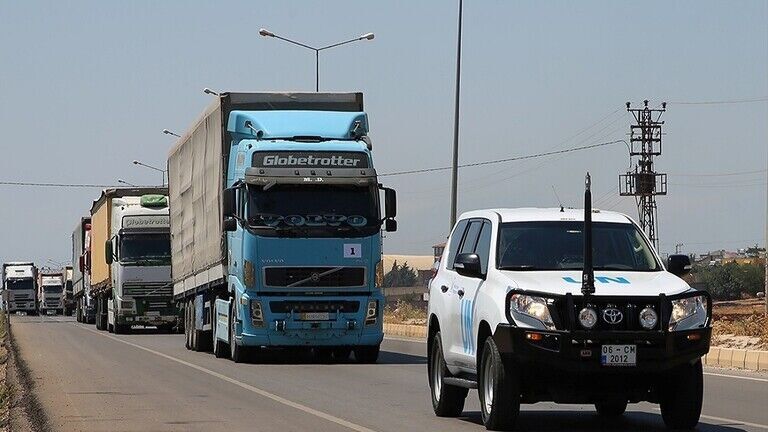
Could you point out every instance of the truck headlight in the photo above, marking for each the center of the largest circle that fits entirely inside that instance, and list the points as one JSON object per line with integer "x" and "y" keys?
{"x": 257, "y": 314}
{"x": 531, "y": 310}
{"x": 126, "y": 304}
{"x": 688, "y": 313}
{"x": 371, "y": 312}
{"x": 648, "y": 318}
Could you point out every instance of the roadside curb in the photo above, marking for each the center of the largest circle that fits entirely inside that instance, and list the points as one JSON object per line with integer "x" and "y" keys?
{"x": 718, "y": 356}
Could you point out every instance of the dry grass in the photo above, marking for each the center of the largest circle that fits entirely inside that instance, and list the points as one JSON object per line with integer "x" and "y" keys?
{"x": 404, "y": 312}
{"x": 742, "y": 331}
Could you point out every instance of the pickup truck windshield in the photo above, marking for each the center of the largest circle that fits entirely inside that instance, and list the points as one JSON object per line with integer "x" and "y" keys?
{"x": 559, "y": 246}
{"x": 145, "y": 249}
{"x": 19, "y": 284}
{"x": 52, "y": 289}
{"x": 313, "y": 211}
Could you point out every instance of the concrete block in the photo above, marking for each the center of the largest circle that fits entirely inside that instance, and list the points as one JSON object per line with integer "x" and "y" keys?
{"x": 724, "y": 360}
{"x": 751, "y": 360}
{"x": 739, "y": 355}
{"x": 762, "y": 361}
{"x": 712, "y": 357}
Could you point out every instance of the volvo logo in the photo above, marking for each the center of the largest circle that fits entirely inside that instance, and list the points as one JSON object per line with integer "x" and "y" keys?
{"x": 315, "y": 277}
{"x": 612, "y": 315}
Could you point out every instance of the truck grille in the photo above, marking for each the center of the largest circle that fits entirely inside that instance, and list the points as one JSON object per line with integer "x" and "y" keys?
{"x": 314, "y": 306}
{"x": 313, "y": 277}
{"x": 148, "y": 289}
{"x": 21, "y": 297}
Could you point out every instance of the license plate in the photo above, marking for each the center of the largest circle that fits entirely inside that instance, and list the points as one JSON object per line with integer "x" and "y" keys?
{"x": 315, "y": 316}
{"x": 153, "y": 313}
{"x": 619, "y": 355}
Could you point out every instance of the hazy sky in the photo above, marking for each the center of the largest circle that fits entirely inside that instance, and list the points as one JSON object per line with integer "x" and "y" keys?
{"x": 88, "y": 86}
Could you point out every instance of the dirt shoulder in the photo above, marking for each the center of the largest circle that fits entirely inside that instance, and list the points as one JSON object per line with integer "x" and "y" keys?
{"x": 22, "y": 411}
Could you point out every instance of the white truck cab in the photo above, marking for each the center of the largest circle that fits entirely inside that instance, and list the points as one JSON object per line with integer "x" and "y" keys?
{"x": 519, "y": 312}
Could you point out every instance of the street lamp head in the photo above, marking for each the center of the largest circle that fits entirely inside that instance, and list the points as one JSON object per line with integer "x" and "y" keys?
{"x": 167, "y": 132}
{"x": 135, "y": 162}
{"x": 209, "y": 91}
{"x": 368, "y": 36}
{"x": 266, "y": 33}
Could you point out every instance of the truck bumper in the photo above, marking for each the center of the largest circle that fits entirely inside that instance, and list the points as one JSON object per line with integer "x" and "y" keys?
{"x": 566, "y": 367}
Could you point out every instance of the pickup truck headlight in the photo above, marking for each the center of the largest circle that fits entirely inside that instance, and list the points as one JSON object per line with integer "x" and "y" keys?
{"x": 531, "y": 310}
{"x": 688, "y": 313}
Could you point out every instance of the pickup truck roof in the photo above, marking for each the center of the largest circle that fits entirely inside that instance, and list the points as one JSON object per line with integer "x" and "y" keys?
{"x": 546, "y": 214}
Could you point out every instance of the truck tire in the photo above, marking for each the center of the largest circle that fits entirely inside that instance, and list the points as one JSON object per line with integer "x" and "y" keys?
{"x": 193, "y": 333}
{"x": 498, "y": 388}
{"x": 682, "y": 395}
{"x": 121, "y": 328}
{"x": 98, "y": 315}
{"x": 367, "y": 354}
{"x": 236, "y": 352}
{"x": 187, "y": 338}
{"x": 447, "y": 400}
{"x": 612, "y": 408}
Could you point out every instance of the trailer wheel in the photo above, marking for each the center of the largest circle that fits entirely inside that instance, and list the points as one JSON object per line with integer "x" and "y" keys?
{"x": 498, "y": 389}
{"x": 682, "y": 395}
{"x": 447, "y": 401}
{"x": 236, "y": 352}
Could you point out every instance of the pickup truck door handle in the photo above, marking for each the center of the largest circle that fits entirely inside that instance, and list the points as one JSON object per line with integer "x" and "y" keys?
{"x": 460, "y": 293}
{"x": 444, "y": 288}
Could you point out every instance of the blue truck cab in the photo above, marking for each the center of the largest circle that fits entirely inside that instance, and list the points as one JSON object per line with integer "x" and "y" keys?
{"x": 301, "y": 216}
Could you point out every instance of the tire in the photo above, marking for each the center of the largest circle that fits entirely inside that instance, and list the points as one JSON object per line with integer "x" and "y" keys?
{"x": 187, "y": 338}
{"x": 682, "y": 395}
{"x": 610, "y": 409}
{"x": 367, "y": 354}
{"x": 498, "y": 389}
{"x": 342, "y": 353}
{"x": 78, "y": 313}
{"x": 194, "y": 341}
{"x": 121, "y": 328}
{"x": 447, "y": 401}
{"x": 236, "y": 352}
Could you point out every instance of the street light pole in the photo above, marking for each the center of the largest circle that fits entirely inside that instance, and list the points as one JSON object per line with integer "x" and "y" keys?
{"x": 455, "y": 165}
{"x": 162, "y": 171}
{"x": 267, "y": 33}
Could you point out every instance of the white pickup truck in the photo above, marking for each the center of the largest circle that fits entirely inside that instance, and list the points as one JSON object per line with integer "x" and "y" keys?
{"x": 519, "y": 311}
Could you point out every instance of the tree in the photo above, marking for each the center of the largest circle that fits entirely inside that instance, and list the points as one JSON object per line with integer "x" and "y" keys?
{"x": 731, "y": 281}
{"x": 400, "y": 276}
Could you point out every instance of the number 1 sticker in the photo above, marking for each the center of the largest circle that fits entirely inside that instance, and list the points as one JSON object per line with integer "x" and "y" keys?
{"x": 352, "y": 250}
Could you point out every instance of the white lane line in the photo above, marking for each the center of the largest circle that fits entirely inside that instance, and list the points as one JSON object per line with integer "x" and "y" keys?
{"x": 258, "y": 391}
{"x": 737, "y": 377}
{"x": 422, "y": 341}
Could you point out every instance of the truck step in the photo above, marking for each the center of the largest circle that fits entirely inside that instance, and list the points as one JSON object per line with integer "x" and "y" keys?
{"x": 460, "y": 382}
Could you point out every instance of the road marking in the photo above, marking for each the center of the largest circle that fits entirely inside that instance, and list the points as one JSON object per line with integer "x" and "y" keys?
{"x": 258, "y": 391}
{"x": 422, "y": 341}
{"x": 737, "y": 377}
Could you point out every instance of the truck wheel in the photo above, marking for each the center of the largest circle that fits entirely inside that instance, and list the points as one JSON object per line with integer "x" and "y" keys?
{"x": 98, "y": 315}
{"x": 236, "y": 352}
{"x": 447, "y": 401}
{"x": 498, "y": 389}
{"x": 193, "y": 333}
{"x": 682, "y": 396}
{"x": 121, "y": 328}
{"x": 187, "y": 343}
{"x": 367, "y": 353}
{"x": 613, "y": 408}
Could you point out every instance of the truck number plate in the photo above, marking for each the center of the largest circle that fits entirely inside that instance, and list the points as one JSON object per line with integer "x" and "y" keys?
{"x": 619, "y": 355}
{"x": 315, "y": 316}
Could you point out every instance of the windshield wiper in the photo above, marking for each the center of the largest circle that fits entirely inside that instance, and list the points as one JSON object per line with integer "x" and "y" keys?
{"x": 519, "y": 267}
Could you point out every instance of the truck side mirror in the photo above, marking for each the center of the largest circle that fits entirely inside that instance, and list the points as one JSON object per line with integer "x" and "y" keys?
{"x": 679, "y": 265}
{"x": 81, "y": 263}
{"x": 390, "y": 202}
{"x": 390, "y": 225}
{"x": 228, "y": 202}
{"x": 108, "y": 251}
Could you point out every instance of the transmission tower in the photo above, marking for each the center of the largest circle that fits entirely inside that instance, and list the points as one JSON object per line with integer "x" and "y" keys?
{"x": 644, "y": 183}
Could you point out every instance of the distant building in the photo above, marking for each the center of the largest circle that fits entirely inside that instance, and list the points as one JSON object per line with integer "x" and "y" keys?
{"x": 438, "y": 250}
{"x": 421, "y": 264}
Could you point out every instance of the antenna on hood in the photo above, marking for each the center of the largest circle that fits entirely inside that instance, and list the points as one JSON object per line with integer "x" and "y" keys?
{"x": 588, "y": 275}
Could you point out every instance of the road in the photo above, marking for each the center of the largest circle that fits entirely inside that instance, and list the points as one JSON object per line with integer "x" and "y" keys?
{"x": 88, "y": 380}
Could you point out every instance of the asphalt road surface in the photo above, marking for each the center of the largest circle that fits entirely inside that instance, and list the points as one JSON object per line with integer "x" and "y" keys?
{"x": 94, "y": 381}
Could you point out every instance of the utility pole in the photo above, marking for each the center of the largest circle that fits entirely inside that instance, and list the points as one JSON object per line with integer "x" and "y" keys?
{"x": 644, "y": 183}
{"x": 765, "y": 255}
{"x": 455, "y": 165}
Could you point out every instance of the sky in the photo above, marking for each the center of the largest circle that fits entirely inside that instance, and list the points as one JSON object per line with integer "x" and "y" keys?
{"x": 87, "y": 86}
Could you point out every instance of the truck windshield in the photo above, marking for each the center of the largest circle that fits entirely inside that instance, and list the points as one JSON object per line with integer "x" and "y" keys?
{"x": 145, "y": 249}
{"x": 314, "y": 211}
{"x": 52, "y": 289}
{"x": 19, "y": 284}
{"x": 559, "y": 246}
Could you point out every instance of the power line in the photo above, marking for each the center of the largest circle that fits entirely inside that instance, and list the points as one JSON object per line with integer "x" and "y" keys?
{"x": 498, "y": 161}
{"x": 722, "y": 102}
{"x": 59, "y": 185}
{"x": 722, "y": 174}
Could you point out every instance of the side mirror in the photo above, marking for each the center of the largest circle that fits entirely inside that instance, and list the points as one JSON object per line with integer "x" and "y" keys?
{"x": 108, "y": 256}
{"x": 230, "y": 224}
{"x": 390, "y": 225}
{"x": 679, "y": 265}
{"x": 81, "y": 263}
{"x": 390, "y": 202}
{"x": 468, "y": 264}
{"x": 228, "y": 200}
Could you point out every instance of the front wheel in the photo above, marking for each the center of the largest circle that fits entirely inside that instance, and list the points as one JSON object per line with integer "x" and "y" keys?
{"x": 498, "y": 389}
{"x": 682, "y": 395}
{"x": 447, "y": 400}
{"x": 367, "y": 353}
{"x": 613, "y": 408}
